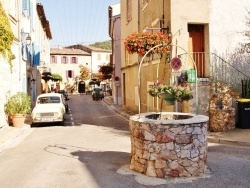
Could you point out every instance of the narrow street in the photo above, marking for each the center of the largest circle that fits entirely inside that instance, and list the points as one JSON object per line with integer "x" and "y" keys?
{"x": 93, "y": 150}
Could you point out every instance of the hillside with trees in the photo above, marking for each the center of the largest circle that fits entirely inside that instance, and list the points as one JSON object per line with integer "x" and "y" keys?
{"x": 104, "y": 45}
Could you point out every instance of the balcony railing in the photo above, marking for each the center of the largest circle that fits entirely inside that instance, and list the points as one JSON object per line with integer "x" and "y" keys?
{"x": 210, "y": 65}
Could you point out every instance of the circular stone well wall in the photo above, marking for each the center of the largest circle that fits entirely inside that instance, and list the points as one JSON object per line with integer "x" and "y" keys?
{"x": 168, "y": 144}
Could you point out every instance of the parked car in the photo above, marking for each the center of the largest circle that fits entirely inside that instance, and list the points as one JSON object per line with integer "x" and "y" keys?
{"x": 49, "y": 107}
{"x": 97, "y": 93}
{"x": 65, "y": 94}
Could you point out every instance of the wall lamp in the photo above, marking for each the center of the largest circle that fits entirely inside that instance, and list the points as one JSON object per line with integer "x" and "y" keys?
{"x": 28, "y": 39}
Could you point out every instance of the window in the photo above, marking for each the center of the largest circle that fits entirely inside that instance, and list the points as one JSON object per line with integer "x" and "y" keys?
{"x": 53, "y": 59}
{"x": 64, "y": 59}
{"x": 128, "y": 58}
{"x": 99, "y": 57}
{"x": 13, "y": 8}
{"x": 26, "y": 7}
{"x": 70, "y": 74}
{"x": 73, "y": 60}
{"x": 107, "y": 57}
{"x": 129, "y": 10}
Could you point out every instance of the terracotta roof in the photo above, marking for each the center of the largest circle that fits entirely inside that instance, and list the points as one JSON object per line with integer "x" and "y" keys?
{"x": 88, "y": 49}
{"x": 44, "y": 21}
{"x": 66, "y": 51}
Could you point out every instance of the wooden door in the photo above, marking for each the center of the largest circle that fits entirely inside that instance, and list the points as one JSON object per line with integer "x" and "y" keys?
{"x": 196, "y": 47}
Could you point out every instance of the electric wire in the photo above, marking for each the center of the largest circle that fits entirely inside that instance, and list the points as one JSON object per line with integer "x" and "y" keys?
{"x": 77, "y": 21}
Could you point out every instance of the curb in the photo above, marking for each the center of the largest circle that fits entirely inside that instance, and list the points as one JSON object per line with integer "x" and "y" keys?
{"x": 228, "y": 142}
{"x": 10, "y": 136}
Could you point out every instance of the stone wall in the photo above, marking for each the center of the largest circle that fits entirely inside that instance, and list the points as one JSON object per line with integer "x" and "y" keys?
{"x": 222, "y": 109}
{"x": 169, "y": 148}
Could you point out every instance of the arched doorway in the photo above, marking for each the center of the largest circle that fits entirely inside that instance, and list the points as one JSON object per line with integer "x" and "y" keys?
{"x": 81, "y": 87}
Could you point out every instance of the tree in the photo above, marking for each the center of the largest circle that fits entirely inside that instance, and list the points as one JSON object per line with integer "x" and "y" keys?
{"x": 104, "y": 45}
{"x": 56, "y": 77}
{"x": 84, "y": 73}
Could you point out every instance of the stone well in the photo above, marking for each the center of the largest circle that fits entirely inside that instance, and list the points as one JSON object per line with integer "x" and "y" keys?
{"x": 168, "y": 144}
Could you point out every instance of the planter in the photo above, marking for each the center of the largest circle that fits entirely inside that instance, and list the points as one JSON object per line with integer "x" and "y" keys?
{"x": 18, "y": 120}
{"x": 168, "y": 98}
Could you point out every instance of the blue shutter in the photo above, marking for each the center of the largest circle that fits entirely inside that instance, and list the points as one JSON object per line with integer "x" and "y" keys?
{"x": 36, "y": 55}
{"x": 25, "y": 5}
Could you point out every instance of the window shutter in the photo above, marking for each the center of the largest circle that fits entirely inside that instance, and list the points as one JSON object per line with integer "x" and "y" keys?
{"x": 55, "y": 59}
{"x": 66, "y": 59}
{"x": 66, "y": 73}
{"x": 62, "y": 59}
{"x": 25, "y": 5}
{"x": 72, "y": 74}
{"x": 76, "y": 60}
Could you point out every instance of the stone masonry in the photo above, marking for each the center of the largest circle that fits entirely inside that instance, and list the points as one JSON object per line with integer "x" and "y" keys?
{"x": 169, "y": 148}
{"x": 221, "y": 109}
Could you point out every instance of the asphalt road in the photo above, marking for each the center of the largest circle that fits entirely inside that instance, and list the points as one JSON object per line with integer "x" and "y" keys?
{"x": 92, "y": 150}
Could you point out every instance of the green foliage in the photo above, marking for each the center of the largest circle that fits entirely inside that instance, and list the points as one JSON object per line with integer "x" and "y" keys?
{"x": 20, "y": 103}
{"x": 104, "y": 45}
{"x": 6, "y": 36}
{"x": 56, "y": 77}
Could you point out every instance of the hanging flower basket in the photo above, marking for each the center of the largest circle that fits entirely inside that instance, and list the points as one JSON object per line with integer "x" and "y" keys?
{"x": 168, "y": 98}
{"x": 170, "y": 93}
{"x": 140, "y": 43}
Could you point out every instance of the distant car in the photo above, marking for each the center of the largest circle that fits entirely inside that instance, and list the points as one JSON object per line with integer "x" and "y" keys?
{"x": 65, "y": 94}
{"x": 49, "y": 107}
{"x": 97, "y": 93}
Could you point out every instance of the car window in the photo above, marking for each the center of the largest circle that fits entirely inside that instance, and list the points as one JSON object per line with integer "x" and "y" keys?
{"x": 46, "y": 100}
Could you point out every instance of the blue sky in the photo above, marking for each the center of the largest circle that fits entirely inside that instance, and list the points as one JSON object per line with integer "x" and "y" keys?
{"x": 77, "y": 21}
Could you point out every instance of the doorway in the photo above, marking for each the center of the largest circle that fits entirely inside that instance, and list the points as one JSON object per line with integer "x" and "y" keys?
{"x": 196, "y": 47}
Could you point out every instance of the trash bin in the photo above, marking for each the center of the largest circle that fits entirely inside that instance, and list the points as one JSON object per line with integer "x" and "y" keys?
{"x": 243, "y": 114}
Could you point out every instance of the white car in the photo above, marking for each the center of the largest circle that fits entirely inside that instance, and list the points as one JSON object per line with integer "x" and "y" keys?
{"x": 50, "y": 107}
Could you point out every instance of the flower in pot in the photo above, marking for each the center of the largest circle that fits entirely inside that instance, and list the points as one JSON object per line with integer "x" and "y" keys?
{"x": 140, "y": 43}
{"x": 17, "y": 107}
{"x": 170, "y": 93}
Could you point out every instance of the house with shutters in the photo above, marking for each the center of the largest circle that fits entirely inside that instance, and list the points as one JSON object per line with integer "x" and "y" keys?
{"x": 31, "y": 45}
{"x": 66, "y": 62}
{"x": 206, "y": 36}
{"x": 99, "y": 56}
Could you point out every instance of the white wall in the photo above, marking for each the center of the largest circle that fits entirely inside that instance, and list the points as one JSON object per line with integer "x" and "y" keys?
{"x": 59, "y": 68}
{"x": 105, "y": 59}
{"x": 227, "y": 21}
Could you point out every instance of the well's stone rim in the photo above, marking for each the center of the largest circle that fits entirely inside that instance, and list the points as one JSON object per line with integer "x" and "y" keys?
{"x": 195, "y": 119}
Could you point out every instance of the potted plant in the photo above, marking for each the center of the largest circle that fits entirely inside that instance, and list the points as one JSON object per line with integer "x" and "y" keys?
{"x": 17, "y": 107}
{"x": 140, "y": 43}
{"x": 170, "y": 93}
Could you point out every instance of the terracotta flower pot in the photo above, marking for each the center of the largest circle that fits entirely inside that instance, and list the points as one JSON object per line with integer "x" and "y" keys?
{"x": 18, "y": 120}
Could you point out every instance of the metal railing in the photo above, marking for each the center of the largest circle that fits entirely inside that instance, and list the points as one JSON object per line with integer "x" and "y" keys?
{"x": 212, "y": 66}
